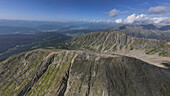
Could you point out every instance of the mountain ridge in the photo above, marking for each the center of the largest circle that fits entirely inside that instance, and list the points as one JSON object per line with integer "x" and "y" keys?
{"x": 120, "y": 43}
{"x": 142, "y": 31}
{"x": 64, "y": 73}
{"x": 119, "y": 38}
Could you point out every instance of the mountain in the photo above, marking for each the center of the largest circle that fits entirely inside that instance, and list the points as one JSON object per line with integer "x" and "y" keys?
{"x": 75, "y": 29}
{"x": 76, "y": 32}
{"x": 79, "y": 73}
{"x": 48, "y": 27}
{"x": 149, "y": 26}
{"x": 116, "y": 63}
{"x": 26, "y": 23}
{"x": 141, "y": 31}
{"x": 16, "y": 43}
{"x": 149, "y": 50}
{"x": 16, "y": 30}
{"x": 164, "y": 28}
{"x": 65, "y": 28}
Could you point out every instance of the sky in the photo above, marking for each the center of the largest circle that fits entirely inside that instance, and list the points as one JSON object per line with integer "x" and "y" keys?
{"x": 88, "y": 10}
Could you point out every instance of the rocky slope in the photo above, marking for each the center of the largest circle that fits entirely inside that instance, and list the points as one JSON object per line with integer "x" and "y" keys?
{"x": 79, "y": 73}
{"x": 120, "y": 43}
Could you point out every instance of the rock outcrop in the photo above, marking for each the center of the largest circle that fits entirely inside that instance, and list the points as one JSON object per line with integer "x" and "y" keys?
{"x": 80, "y": 73}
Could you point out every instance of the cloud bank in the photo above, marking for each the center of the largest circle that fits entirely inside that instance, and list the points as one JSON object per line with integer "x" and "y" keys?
{"x": 157, "y": 10}
{"x": 143, "y": 19}
{"x": 113, "y": 12}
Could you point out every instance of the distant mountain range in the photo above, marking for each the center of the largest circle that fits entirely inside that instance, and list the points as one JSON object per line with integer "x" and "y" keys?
{"x": 142, "y": 31}
{"x": 78, "y": 28}
{"x": 30, "y": 27}
{"x": 164, "y": 28}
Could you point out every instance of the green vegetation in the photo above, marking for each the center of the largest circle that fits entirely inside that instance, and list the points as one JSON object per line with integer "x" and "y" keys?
{"x": 152, "y": 51}
{"x": 166, "y": 64}
{"x": 29, "y": 42}
{"x": 115, "y": 48}
{"x": 163, "y": 53}
{"x": 113, "y": 41}
{"x": 52, "y": 76}
{"x": 91, "y": 49}
{"x": 107, "y": 47}
{"x": 84, "y": 70}
{"x": 100, "y": 48}
{"x": 23, "y": 69}
{"x": 121, "y": 47}
{"x": 131, "y": 47}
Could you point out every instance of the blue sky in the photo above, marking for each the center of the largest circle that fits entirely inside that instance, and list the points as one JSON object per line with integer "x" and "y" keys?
{"x": 76, "y": 10}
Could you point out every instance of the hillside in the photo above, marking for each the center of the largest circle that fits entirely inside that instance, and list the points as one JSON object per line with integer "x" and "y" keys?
{"x": 79, "y": 73}
{"x": 120, "y": 43}
{"x": 16, "y": 43}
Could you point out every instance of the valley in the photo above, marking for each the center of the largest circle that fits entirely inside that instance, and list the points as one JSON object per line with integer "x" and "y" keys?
{"x": 16, "y": 43}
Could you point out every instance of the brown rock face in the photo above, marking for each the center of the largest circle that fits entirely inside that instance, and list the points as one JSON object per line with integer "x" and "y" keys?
{"x": 79, "y": 73}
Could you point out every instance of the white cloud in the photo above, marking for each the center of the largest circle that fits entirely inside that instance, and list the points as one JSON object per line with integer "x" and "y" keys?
{"x": 113, "y": 12}
{"x": 118, "y": 20}
{"x": 160, "y": 20}
{"x": 130, "y": 19}
{"x": 157, "y": 10}
{"x": 142, "y": 18}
